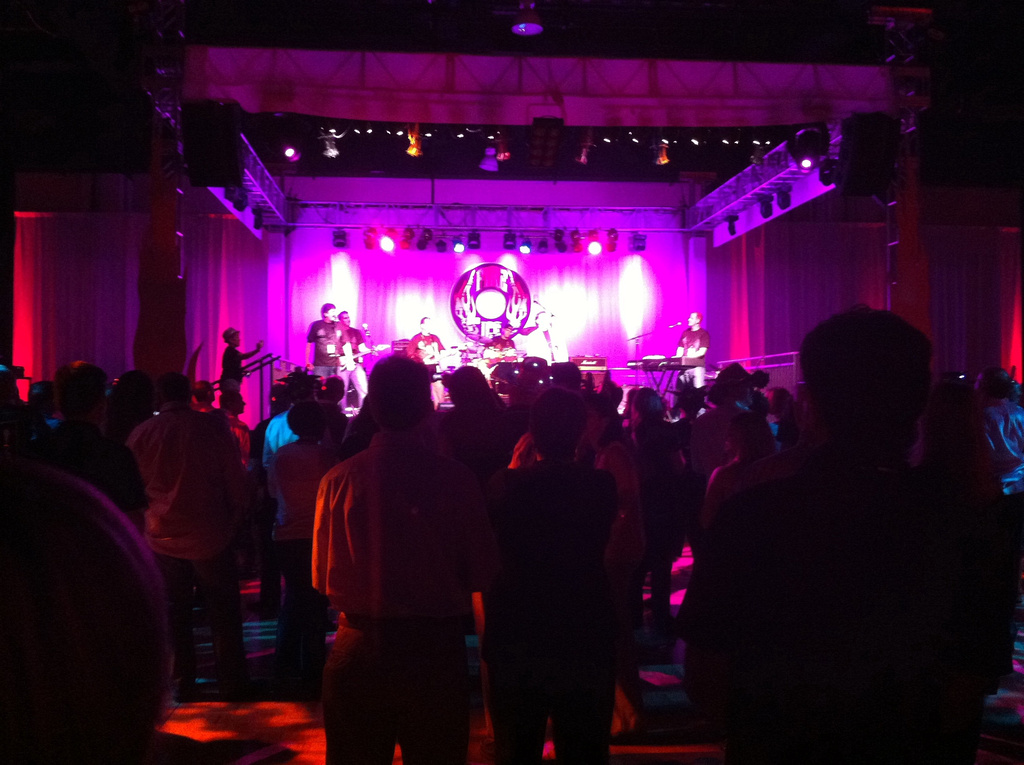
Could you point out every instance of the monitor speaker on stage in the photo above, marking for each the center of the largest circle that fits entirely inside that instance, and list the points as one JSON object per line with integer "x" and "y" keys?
{"x": 867, "y": 154}
{"x": 210, "y": 134}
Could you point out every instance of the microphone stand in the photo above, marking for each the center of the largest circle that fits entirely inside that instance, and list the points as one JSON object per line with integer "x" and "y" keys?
{"x": 636, "y": 365}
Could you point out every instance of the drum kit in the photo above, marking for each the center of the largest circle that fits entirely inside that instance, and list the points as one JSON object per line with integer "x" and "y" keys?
{"x": 495, "y": 365}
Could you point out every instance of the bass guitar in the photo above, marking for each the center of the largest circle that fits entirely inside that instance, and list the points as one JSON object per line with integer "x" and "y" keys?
{"x": 347, "y": 360}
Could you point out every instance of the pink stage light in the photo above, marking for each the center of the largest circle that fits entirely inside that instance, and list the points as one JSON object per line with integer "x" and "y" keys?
{"x": 387, "y": 243}
{"x": 594, "y": 246}
{"x": 292, "y": 154}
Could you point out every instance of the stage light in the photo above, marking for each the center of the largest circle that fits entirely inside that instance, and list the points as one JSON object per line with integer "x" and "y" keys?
{"x": 370, "y": 238}
{"x": 586, "y": 144}
{"x": 577, "y": 243}
{"x": 827, "y": 172}
{"x": 441, "y": 245}
{"x": 560, "y": 240}
{"x": 613, "y": 239}
{"x": 782, "y": 196}
{"x": 638, "y": 242}
{"x": 490, "y": 160}
{"x": 765, "y": 203}
{"x": 330, "y": 143}
{"x": 731, "y": 222}
{"x": 415, "y": 142}
{"x": 524, "y": 247}
{"x": 291, "y": 153}
{"x": 407, "y": 236}
{"x": 662, "y": 158}
{"x": 340, "y": 238}
{"x": 509, "y": 242}
{"x": 458, "y": 245}
{"x": 807, "y": 148}
{"x": 473, "y": 242}
{"x": 425, "y": 236}
{"x": 501, "y": 144}
{"x": 542, "y": 245}
{"x": 527, "y": 22}
{"x": 387, "y": 242}
{"x": 594, "y": 244}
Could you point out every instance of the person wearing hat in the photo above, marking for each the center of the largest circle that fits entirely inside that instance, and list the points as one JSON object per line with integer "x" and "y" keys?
{"x": 231, "y": 361}
{"x": 731, "y": 394}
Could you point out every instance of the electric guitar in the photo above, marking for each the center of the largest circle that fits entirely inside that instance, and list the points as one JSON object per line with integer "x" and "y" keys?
{"x": 347, "y": 360}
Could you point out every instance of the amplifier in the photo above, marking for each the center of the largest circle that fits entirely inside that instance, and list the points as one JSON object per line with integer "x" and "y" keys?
{"x": 398, "y": 347}
{"x": 590, "y": 363}
{"x": 594, "y": 365}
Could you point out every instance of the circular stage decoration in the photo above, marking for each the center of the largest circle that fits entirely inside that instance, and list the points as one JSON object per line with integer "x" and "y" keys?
{"x": 488, "y": 297}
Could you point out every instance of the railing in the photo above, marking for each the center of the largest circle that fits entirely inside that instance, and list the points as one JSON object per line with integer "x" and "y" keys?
{"x": 266, "y": 369}
{"x": 783, "y": 368}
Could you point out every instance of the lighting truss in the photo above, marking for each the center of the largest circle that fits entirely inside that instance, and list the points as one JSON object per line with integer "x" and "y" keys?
{"x": 737, "y": 206}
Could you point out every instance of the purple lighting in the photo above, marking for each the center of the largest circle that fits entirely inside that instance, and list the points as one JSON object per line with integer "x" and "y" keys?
{"x": 387, "y": 243}
{"x": 292, "y": 154}
{"x": 594, "y": 247}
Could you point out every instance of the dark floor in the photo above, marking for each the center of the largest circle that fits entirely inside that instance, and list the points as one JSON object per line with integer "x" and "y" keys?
{"x": 277, "y": 731}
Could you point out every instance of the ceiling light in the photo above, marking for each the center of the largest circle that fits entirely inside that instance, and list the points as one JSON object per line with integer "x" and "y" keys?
{"x": 458, "y": 245}
{"x": 594, "y": 244}
{"x": 340, "y": 238}
{"x": 415, "y": 142}
{"x": 613, "y": 239}
{"x": 662, "y": 158}
{"x": 527, "y": 22}
{"x": 473, "y": 242}
{"x": 387, "y": 242}
{"x": 807, "y": 148}
{"x": 524, "y": 247}
{"x": 782, "y": 196}
{"x": 370, "y": 238}
{"x": 560, "y": 240}
{"x": 765, "y": 203}
{"x": 407, "y": 236}
{"x": 441, "y": 245}
{"x": 509, "y": 242}
{"x": 291, "y": 153}
{"x": 638, "y": 242}
{"x": 425, "y": 236}
{"x": 577, "y": 244}
{"x": 542, "y": 245}
{"x": 490, "y": 160}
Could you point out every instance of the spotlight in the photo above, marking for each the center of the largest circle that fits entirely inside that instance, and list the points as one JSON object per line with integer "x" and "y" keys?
{"x": 807, "y": 148}
{"x": 560, "y": 240}
{"x": 524, "y": 247}
{"x": 662, "y": 158}
{"x": 291, "y": 153}
{"x": 340, "y": 238}
{"x": 415, "y": 142}
{"x": 490, "y": 160}
{"x": 577, "y": 244}
{"x": 458, "y": 244}
{"x": 527, "y": 22}
{"x": 509, "y": 242}
{"x": 474, "y": 240}
{"x": 765, "y": 203}
{"x": 425, "y": 236}
{"x": 594, "y": 247}
{"x": 731, "y": 221}
{"x": 441, "y": 245}
{"x": 783, "y": 198}
{"x": 827, "y": 172}
{"x": 613, "y": 239}
{"x": 370, "y": 238}
{"x": 542, "y": 245}
{"x": 387, "y": 242}
{"x": 638, "y": 242}
{"x": 407, "y": 236}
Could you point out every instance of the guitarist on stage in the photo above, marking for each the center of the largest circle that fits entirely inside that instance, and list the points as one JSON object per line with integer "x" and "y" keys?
{"x": 426, "y": 348}
{"x": 350, "y": 361}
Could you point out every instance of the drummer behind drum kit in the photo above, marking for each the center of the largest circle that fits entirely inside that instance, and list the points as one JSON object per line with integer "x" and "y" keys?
{"x": 478, "y": 355}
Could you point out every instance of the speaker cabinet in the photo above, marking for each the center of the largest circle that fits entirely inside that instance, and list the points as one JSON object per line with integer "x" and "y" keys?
{"x": 210, "y": 133}
{"x": 867, "y": 154}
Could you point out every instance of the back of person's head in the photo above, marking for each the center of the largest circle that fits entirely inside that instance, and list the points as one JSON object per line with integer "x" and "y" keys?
{"x": 646, "y": 406}
{"x": 232, "y": 401}
{"x": 308, "y": 420}
{"x": 41, "y": 396}
{"x": 202, "y": 392}
{"x": 399, "y": 393}
{"x": 605, "y": 408}
{"x": 557, "y": 420}
{"x": 173, "y": 387}
{"x": 565, "y": 374}
{"x": 80, "y": 388}
{"x": 332, "y": 391}
{"x": 749, "y": 437}
{"x": 8, "y": 386}
{"x": 279, "y": 401}
{"x": 867, "y": 376}
{"x": 995, "y": 382}
{"x": 134, "y": 391}
{"x": 780, "y": 402}
{"x": 301, "y": 386}
{"x": 467, "y": 387}
{"x": 733, "y": 384}
{"x": 86, "y": 662}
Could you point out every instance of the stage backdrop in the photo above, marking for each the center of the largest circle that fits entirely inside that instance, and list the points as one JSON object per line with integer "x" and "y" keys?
{"x": 76, "y": 289}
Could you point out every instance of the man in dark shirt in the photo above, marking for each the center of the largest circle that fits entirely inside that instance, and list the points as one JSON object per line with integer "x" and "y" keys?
{"x": 818, "y": 617}
{"x": 693, "y": 347}
{"x": 78, "y": 446}
{"x": 231, "y": 361}
{"x": 550, "y": 625}
{"x": 324, "y": 342}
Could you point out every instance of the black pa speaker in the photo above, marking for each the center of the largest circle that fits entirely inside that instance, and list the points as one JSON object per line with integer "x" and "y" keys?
{"x": 867, "y": 154}
{"x": 210, "y": 134}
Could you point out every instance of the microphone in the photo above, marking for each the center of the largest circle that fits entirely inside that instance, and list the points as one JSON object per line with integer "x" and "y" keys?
{"x": 677, "y": 324}
{"x": 366, "y": 326}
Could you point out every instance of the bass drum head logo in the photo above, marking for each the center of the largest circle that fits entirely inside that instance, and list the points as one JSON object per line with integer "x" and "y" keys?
{"x": 487, "y": 298}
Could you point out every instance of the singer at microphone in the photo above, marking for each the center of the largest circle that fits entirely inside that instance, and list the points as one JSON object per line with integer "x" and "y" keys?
{"x": 692, "y": 349}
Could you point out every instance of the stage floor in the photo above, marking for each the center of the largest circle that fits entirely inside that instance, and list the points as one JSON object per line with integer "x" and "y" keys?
{"x": 277, "y": 731}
